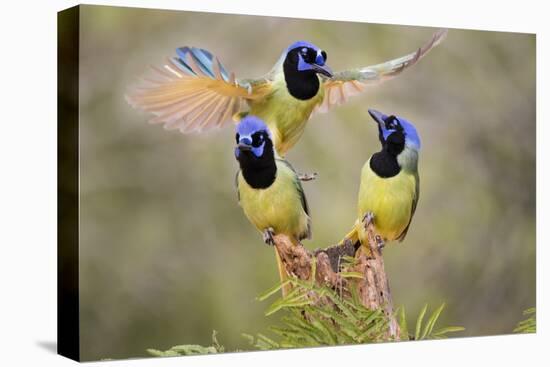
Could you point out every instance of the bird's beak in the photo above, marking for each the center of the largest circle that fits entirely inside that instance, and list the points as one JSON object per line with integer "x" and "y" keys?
{"x": 244, "y": 147}
{"x": 378, "y": 117}
{"x": 325, "y": 70}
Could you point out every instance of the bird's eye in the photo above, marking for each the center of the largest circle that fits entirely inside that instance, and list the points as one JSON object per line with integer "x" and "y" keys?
{"x": 257, "y": 139}
{"x": 237, "y": 138}
{"x": 324, "y": 54}
{"x": 392, "y": 123}
{"x": 303, "y": 51}
{"x": 311, "y": 55}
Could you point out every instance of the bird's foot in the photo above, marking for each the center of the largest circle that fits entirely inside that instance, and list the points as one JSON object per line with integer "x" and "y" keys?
{"x": 307, "y": 176}
{"x": 268, "y": 236}
{"x": 368, "y": 219}
{"x": 380, "y": 242}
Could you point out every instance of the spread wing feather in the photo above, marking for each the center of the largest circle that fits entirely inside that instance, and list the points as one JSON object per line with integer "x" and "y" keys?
{"x": 193, "y": 92}
{"x": 348, "y": 83}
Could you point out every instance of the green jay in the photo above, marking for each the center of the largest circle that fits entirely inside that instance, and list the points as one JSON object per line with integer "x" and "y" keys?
{"x": 194, "y": 92}
{"x": 269, "y": 190}
{"x": 389, "y": 188}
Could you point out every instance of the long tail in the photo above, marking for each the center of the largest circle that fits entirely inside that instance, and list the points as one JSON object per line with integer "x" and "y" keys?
{"x": 352, "y": 236}
{"x": 283, "y": 275}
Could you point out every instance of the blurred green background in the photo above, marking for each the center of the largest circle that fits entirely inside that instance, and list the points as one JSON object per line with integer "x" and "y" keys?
{"x": 166, "y": 252}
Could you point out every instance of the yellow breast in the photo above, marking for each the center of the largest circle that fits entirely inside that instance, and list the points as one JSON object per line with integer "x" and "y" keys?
{"x": 389, "y": 199}
{"x": 285, "y": 115}
{"x": 279, "y": 206}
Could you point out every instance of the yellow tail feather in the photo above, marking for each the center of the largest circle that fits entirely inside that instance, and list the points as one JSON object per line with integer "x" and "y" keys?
{"x": 352, "y": 236}
{"x": 283, "y": 275}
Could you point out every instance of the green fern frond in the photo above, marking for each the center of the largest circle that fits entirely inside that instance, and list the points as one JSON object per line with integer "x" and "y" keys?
{"x": 403, "y": 323}
{"x": 419, "y": 322}
{"x": 314, "y": 315}
{"x": 425, "y": 330}
{"x": 335, "y": 321}
{"x": 190, "y": 349}
{"x": 528, "y": 325}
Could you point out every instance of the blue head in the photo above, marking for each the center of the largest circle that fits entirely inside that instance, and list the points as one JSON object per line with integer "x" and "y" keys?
{"x": 395, "y": 132}
{"x": 253, "y": 139}
{"x": 303, "y": 56}
{"x": 255, "y": 152}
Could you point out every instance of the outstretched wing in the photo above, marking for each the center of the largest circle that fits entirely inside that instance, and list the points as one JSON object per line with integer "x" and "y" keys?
{"x": 193, "y": 92}
{"x": 348, "y": 83}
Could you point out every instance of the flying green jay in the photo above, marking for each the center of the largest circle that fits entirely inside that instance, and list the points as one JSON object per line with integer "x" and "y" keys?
{"x": 194, "y": 92}
{"x": 389, "y": 188}
{"x": 268, "y": 188}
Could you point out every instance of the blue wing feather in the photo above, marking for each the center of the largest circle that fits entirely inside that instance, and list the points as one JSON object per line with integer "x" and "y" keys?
{"x": 203, "y": 56}
{"x": 204, "y": 60}
{"x": 183, "y": 53}
{"x": 207, "y": 59}
{"x": 183, "y": 66}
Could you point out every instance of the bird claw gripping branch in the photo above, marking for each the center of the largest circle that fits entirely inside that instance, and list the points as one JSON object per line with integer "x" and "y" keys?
{"x": 268, "y": 236}
{"x": 380, "y": 242}
{"x": 368, "y": 219}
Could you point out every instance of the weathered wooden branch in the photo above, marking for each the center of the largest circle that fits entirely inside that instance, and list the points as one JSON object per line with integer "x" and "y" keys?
{"x": 373, "y": 287}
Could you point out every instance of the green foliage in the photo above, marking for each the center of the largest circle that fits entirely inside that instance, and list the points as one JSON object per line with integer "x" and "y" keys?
{"x": 320, "y": 316}
{"x": 334, "y": 321}
{"x": 425, "y": 330}
{"x": 528, "y": 325}
{"x": 190, "y": 349}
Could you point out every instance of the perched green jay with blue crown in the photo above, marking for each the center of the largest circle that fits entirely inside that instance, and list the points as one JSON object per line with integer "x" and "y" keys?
{"x": 268, "y": 188}
{"x": 193, "y": 91}
{"x": 389, "y": 188}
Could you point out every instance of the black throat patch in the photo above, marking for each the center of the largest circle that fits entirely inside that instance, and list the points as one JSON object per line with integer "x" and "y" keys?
{"x": 259, "y": 173}
{"x": 384, "y": 163}
{"x": 302, "y": 85}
